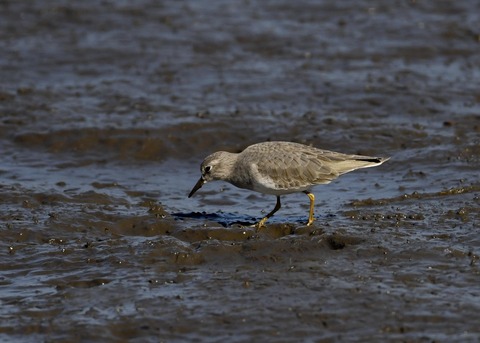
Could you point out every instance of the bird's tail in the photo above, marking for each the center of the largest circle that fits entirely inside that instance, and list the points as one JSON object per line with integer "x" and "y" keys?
{"x": 358, "y": 162}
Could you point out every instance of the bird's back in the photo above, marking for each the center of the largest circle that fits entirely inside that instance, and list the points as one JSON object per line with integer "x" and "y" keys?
{"x": 292, "y": 167}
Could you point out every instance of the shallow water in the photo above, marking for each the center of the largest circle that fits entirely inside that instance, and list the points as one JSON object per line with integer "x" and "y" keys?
{"x": 107, "y": 110}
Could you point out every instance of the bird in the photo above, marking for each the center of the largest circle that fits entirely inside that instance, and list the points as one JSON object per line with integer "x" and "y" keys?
{"x": 279, "y": 168}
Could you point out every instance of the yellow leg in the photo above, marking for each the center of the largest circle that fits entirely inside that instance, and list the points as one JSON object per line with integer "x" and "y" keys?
{"x": 312, "y": 204}
{"x": 261, "y": 223}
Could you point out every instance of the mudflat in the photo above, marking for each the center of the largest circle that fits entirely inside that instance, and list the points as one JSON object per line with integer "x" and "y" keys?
{"x": 108, "y": 108}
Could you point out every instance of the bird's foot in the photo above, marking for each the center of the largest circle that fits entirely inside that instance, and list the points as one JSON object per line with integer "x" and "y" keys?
{"x": 261, "y": 224}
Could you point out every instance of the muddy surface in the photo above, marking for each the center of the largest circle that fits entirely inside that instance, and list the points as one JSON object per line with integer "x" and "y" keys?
{"x": 108, "y": 108}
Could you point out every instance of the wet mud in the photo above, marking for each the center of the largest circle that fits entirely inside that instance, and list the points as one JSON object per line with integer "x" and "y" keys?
{"x": 108, "y": 108}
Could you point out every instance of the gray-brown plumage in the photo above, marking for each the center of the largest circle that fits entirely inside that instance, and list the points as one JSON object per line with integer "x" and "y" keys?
{"x": 281, "y": 168}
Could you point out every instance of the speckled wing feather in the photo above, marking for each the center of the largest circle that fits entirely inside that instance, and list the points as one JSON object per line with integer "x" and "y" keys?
{"x": 295, "y": 166}
{"x": 301, "y": 167}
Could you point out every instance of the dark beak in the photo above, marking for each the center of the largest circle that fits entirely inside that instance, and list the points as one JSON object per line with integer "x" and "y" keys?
{"x": 197, "y": 186}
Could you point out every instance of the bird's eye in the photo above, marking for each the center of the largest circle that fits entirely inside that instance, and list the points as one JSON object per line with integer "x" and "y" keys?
{"x": 207, "y": 169}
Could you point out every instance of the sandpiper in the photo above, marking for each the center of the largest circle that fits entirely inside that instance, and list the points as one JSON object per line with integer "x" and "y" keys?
{"x": 280, "y": 168}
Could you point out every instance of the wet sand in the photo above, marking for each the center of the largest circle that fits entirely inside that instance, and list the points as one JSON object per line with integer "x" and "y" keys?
{"x": 107, "y": 110}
